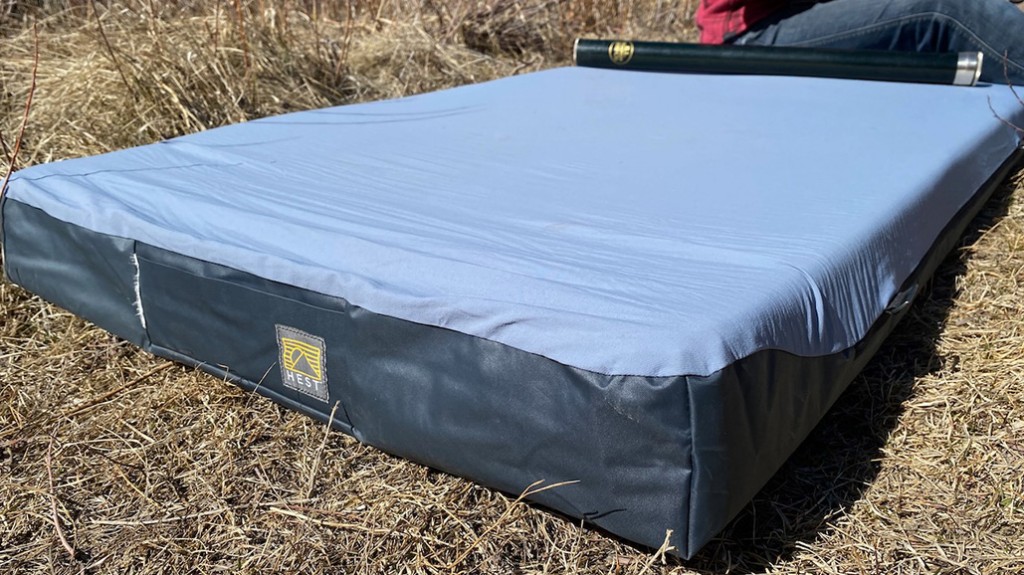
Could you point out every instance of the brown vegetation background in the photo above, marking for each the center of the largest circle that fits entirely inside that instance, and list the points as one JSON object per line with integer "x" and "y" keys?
{"x": 114, "y": 461}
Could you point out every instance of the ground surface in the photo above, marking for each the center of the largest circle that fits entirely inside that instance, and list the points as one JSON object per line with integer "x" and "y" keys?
{"x": 114, "y": 461}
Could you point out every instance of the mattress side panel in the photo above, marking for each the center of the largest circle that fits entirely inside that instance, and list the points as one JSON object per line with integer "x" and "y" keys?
{"x": 748, "y": 418}
{"x": 465, "y": 405}
{"x": 90, "y": 274}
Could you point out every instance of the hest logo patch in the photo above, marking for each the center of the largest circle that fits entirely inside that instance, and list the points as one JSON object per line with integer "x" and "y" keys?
{"x": 303, "y": 362}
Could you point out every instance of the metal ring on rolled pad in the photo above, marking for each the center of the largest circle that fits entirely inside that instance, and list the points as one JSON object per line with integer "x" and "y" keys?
{"x": 968, "y": 68}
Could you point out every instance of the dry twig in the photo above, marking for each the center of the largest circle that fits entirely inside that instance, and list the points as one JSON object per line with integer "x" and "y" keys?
{"x": 531, "y": 490}
{"x": 28, "y": 108}
{"x": 110, "y": 49}
{"x": 320, "y": 451}
{"x": 78, "y": 409}
{"x": 53, "y": 505}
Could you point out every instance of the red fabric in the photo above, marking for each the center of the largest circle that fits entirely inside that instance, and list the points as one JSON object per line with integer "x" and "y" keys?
{"x": 721, "y": 19}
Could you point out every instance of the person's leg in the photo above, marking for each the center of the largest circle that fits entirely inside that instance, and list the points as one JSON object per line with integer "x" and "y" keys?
{"x": 994, "y": 27}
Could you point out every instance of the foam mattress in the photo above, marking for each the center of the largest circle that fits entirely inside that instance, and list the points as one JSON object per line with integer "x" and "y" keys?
{"x": 653, "y": 285}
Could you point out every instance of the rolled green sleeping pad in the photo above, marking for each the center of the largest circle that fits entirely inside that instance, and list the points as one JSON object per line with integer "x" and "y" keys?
{"x": 961, "y": 69}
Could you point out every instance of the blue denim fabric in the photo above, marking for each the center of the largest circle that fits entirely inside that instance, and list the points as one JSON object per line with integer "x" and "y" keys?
{"x": 994, "y": 27}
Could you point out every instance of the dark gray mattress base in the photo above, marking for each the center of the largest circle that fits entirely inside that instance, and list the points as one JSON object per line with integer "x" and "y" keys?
{"x": 648, "y": 454}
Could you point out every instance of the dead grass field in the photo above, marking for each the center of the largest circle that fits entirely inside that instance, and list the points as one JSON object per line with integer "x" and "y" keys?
{"x": 114, "y": 461}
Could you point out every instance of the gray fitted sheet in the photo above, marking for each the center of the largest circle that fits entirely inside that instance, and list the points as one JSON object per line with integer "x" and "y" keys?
{"x": 623, "y": 223}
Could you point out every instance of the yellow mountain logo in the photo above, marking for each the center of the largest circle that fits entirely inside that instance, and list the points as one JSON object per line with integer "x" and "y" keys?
{"x": 301, "y": 357}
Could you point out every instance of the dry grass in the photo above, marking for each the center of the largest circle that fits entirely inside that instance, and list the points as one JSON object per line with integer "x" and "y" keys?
{"x": 114, "y": 461}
